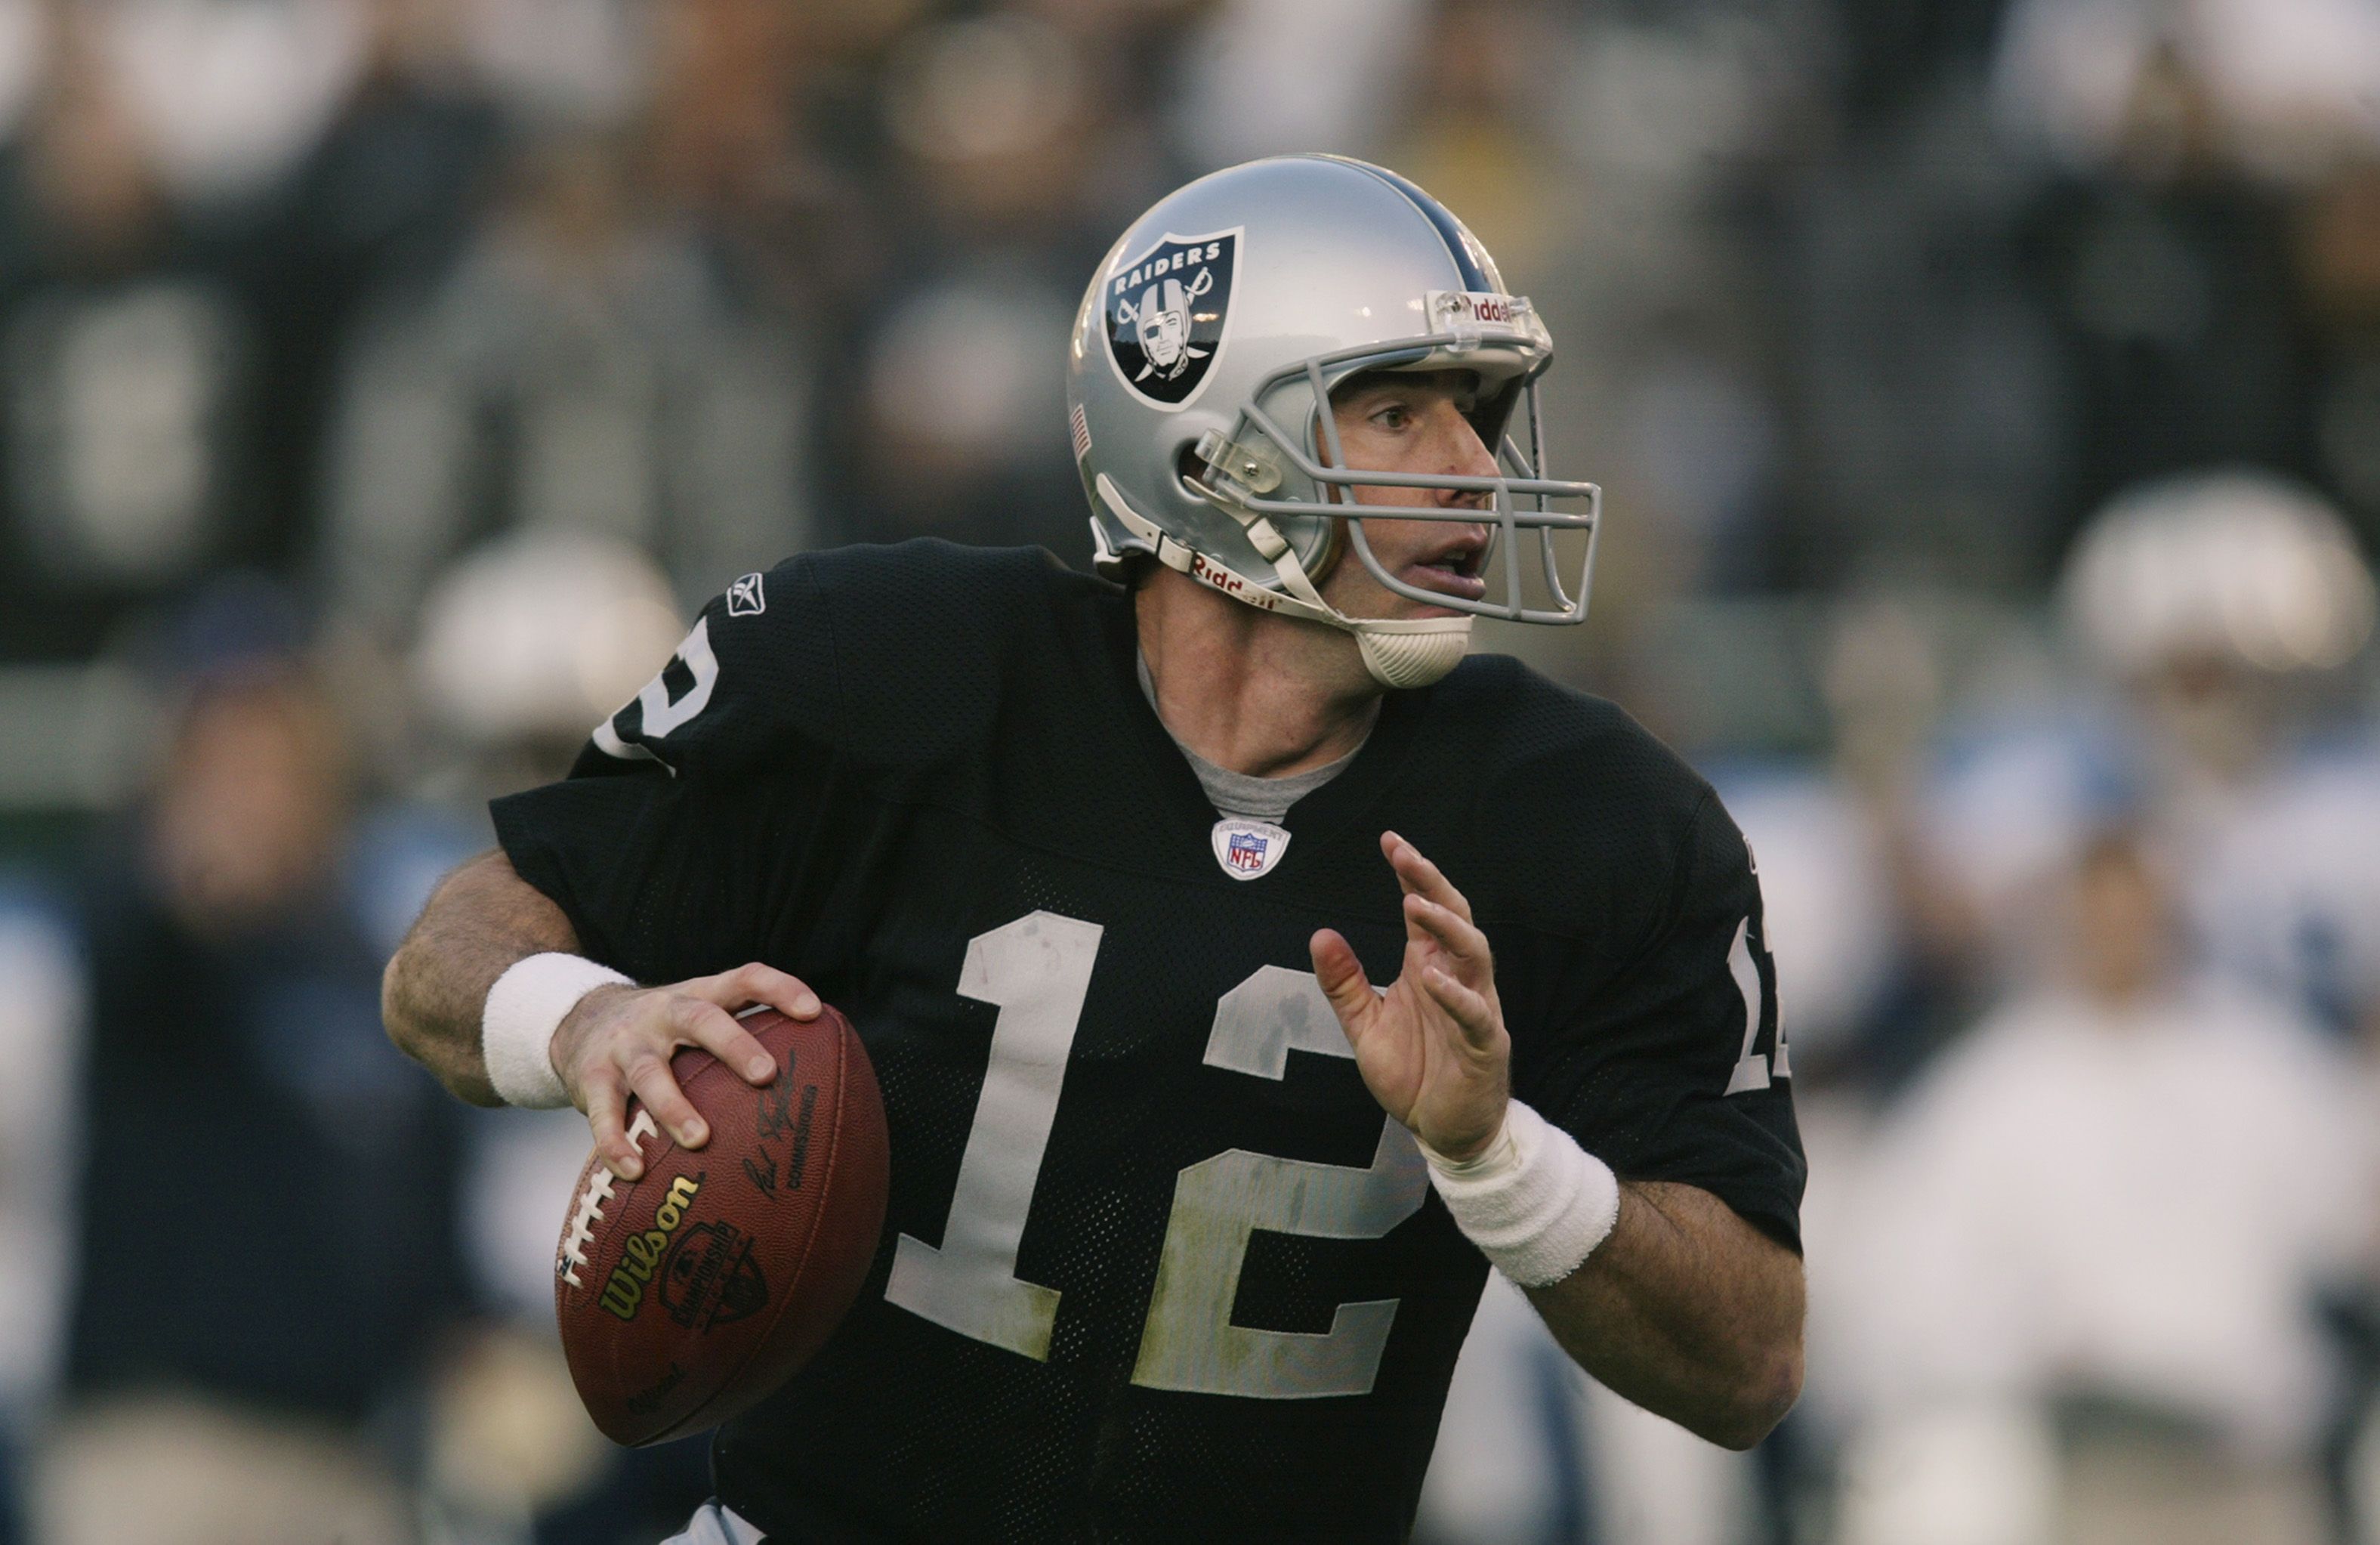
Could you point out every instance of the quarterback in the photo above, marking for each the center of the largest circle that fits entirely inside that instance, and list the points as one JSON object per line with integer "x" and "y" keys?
{"x": 1246, "y": 969}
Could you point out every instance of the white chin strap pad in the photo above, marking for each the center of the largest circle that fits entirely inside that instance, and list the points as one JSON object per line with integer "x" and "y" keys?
{"x": 1414, "y": 658}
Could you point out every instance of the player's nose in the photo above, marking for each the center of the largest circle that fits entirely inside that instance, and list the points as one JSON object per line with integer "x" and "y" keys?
{"x": 1462, "y": 454}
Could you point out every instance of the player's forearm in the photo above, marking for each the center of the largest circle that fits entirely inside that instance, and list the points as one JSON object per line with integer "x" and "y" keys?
{"x": 1689, "y": 1311}
{"x": 482, "y": 919}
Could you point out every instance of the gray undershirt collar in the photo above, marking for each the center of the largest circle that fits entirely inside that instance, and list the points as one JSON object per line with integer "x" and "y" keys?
{"x": 1241, "y": 794}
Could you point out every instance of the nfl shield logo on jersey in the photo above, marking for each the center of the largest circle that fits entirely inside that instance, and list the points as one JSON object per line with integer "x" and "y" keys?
{"x": 1166, "y": 312}
{"x": 1248, "y": 848}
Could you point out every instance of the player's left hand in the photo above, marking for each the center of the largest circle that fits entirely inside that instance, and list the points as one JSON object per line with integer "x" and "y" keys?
{"x": 1432, "y": 1049}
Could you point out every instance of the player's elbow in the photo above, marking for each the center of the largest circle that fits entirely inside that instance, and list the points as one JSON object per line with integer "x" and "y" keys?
{"x": 1765, "y": 1389}
{"x": 417, "y": 1033}
{"x": 393, "y": 1016}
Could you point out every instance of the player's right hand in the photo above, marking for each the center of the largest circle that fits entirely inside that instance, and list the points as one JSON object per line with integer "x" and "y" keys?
{"x": 618, "y": 1042}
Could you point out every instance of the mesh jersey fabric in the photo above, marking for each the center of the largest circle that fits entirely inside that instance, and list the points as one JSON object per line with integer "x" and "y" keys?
{"x": 914, "y": 751}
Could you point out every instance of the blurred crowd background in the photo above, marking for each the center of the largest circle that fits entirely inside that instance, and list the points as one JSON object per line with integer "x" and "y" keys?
{"x": 1988, "y": 398}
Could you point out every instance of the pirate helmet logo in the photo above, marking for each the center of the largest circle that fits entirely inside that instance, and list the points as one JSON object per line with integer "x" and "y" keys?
{"x": 1167, "y": 310}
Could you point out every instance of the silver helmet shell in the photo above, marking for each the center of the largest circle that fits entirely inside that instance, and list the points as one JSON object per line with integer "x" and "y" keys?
{"x": 1207, "y": 343}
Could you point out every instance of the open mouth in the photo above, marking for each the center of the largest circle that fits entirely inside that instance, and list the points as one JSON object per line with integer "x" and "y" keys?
{"x": 1453, "y": 568}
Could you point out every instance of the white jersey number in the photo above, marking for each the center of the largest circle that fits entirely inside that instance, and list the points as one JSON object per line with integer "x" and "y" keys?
{"x": 1752, "y": 1070}
{"x": 1038, "y": 970}
{"x": 660, "y": 713}
{"x": 1189, "y": 1342}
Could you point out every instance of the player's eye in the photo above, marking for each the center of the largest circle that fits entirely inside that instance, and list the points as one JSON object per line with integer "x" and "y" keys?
{"x": 1395, "y": 416}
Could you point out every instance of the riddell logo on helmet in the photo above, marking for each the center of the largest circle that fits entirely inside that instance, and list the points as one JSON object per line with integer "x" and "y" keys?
{"x": 1488, "y": 307}
{"x": 1166, "y": 311}
{"x": 1216, "y": 576}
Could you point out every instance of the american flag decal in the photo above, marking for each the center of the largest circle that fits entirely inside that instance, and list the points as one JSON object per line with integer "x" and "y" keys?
{"x": 1082, "y": 432}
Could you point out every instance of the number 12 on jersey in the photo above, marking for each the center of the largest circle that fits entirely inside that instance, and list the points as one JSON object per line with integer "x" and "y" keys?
{"x": 1037, "y": 971}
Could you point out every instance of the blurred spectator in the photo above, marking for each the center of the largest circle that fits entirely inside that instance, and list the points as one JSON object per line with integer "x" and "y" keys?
{"x": 2216, "y": 613}
{"x": 204, "y": 194}
{"x": 2170, "y": 276}
{"x": 41, "y": 1008}
{"x": 1015, "y": 163}
{"x": 750, "y": 142}
{"x": 584, "y": 62}
{"x": 1651, "y": 146}
{"x": 2114, "y": 1202}
{"x": 376, "y": 209}
{"x": 2338, "y": 252}
{"x": 1897, "y": 56}
{"x": 227, "y": 95}
{"x": 24, "y": 50}
{"x": 1265, "y": 77}
{"x": 267, "y": 1240}
{"x": 128, "y": 360}
{"x": 2292, "y": 82}
{"x": 1932, "y": 403}
{"x": 585, "y": 366}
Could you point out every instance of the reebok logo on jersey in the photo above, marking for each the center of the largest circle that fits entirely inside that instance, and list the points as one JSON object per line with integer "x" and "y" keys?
{"x": 746, "y": 599}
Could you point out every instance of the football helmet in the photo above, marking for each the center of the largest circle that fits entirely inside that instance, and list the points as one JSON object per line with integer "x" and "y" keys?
{"x": 2237, "y": 564}
{"x": 1198, "y": 388}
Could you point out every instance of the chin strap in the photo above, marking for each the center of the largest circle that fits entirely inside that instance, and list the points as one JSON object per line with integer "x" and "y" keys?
{"x": 1399, "y": 652}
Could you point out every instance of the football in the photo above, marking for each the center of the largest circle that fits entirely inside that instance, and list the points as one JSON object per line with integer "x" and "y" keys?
{"x": 695, "y": 1291}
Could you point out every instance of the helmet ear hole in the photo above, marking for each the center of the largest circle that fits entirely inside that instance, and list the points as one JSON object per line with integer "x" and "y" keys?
{"x": 1192, "y": 468}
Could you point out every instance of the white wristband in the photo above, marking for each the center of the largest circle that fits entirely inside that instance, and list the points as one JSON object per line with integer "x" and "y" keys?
{"x": 1534, "y": 1202}
{"x": 524, "y": 1007}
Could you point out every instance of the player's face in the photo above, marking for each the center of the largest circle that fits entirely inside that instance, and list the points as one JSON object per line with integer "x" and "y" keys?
{"x": 1412, "y": 422}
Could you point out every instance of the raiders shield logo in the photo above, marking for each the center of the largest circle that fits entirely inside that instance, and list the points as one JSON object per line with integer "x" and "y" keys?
{"x": 1166, "y": 314}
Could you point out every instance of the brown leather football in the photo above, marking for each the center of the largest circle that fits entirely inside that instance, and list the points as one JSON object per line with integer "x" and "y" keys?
{"x": 697, "y": 1290}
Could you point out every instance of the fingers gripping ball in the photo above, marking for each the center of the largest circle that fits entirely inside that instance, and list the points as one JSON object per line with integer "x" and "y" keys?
{"x": 697, "y": 1289}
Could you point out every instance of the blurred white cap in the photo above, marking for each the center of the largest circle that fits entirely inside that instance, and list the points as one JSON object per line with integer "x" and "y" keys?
{"x": 231, "y": 96}
{"x": 541, "y": 633}
{"x": 2235, "y": 565}
{"x": 580, "y": 63}
{"x": 24, "y": 51}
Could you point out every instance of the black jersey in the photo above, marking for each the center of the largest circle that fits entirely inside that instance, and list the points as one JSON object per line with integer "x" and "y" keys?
{"x": 1156, "y": 1265}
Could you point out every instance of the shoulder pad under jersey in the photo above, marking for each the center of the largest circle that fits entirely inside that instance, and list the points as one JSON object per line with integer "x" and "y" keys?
{"x": 887, "y": 654}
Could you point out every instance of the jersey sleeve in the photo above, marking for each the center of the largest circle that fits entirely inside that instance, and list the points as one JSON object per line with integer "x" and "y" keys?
{"x": 684, "y": 823}
{"x": 665, "y": 877}
{"x": 1675, "y": 1069}
{"x": 703, "y": 817}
